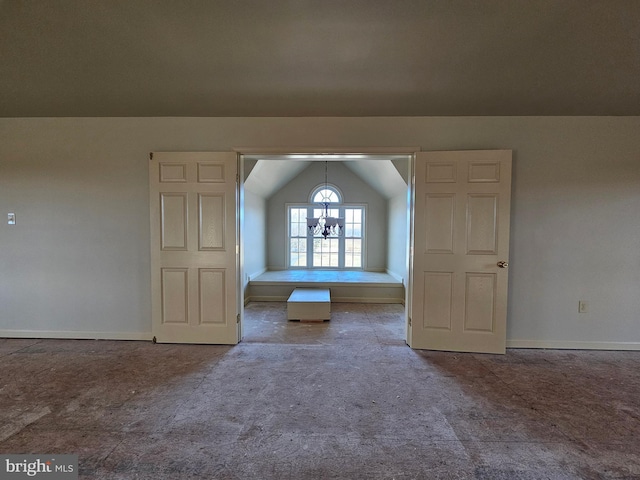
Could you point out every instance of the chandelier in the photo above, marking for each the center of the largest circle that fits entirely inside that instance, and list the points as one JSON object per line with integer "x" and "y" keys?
{"x": 324, "y": 224}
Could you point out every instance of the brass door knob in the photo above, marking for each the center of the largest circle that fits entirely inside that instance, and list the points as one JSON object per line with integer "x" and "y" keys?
{"x": 503, "y": 264}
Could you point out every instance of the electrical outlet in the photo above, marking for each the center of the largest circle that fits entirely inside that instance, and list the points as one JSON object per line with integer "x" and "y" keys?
{"x": 11, "y": 218}
{"x": 582, "y": 306}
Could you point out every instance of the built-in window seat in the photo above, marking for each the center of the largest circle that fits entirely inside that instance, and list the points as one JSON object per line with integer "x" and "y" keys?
{"x": 346, "y": 285}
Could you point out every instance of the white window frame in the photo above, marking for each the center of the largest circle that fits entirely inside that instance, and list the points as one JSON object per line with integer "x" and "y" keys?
{"x": 341, "y": 239}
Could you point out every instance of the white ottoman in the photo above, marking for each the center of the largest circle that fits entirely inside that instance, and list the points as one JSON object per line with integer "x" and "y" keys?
{"x": 309, "y": 304}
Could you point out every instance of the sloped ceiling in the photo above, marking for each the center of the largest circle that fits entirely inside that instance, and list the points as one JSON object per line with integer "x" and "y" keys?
{"x": 268, "y": 175}
{"x": 381, "y": 175}
{"x": 319, "y": 58}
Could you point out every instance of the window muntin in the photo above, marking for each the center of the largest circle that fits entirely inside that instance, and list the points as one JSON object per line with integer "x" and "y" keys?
{"x": 325, "y": 195}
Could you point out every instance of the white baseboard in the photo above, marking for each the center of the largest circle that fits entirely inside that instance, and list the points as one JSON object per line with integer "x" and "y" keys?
{"x": 366, "y": 300}
{"x": 76, "y": 335}
{"x": 256, "y": 273}
{"x": 572, "y": 345}
{"x": 396, "y": 276}
{"x": 258, "y": 298}
{"x": 147, "y": 336}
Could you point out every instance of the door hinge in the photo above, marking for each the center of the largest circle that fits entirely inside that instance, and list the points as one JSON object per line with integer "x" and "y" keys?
{"x": 409, "y": 321}
{"x": 237, "y": 178}
{"x": 238, "y": 318}
{"x": 150, "y": 155}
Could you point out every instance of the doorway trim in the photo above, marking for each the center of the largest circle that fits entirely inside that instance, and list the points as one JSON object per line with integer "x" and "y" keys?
{"x": 252, "y": 151}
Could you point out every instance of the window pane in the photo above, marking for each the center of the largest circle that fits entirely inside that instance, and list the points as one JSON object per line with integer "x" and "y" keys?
{"x": 325, "y": 252}
{"x": 298, "y": 255}
{"x": 296, "y": 245}
{"x": 353, "y": 220}
{"x": 353, "y": 252}
{"x": 297, "y": 234}
{"x": 298, "y": 222}
{"x": 326, "y": 195}
{"x": 353, "y": 238}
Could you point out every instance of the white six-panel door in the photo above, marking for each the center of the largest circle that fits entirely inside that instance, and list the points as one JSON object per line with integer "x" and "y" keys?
{"x": 460, "y": 251}
{"x": 194, "y": 247}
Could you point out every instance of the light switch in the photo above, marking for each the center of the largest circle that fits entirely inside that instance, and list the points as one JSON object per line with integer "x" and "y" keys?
{"x": 11, "y": 218}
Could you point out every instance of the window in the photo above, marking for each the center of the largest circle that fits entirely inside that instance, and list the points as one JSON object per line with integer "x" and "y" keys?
{"x": 329, "y": 195}
{"x": 307, "y": 251}
{"x": 298, "y": 236}
{"x": 353, "y": 237}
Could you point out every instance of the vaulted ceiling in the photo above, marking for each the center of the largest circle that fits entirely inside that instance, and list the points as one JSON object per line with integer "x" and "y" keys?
{"x": 266, "y": 174}
{"x": 319, "y": 57}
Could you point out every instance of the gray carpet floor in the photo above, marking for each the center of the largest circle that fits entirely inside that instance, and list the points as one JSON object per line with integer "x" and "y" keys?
{"x": 344, "y": 399}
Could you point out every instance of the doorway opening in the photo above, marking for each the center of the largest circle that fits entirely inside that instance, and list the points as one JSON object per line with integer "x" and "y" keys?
{"x": 276, "y": 191}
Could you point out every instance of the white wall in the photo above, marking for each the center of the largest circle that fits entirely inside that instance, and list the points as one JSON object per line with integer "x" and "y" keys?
{"x": 78, "y": 259}
{"x": 399, "y": 227}
{"x": 397, "y": 237}
{"x": 354, "y": 190}
{"x": 255, "y": 252}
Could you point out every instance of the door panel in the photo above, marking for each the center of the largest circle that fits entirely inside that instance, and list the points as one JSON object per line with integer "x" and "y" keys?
{"x": 479, "y": 312}
{"x": 438, "y": 295}
{"x": 211, "y": 221}
{"x": 175, "y": 294}
{"x": 173, "y": 217}
{"x": 193, "y": 247}
{"x": 461, "y": 232}
{"x": 212, "y": 295}
{"x": 439, "y": 218}
{"x": 482, "y": 233}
